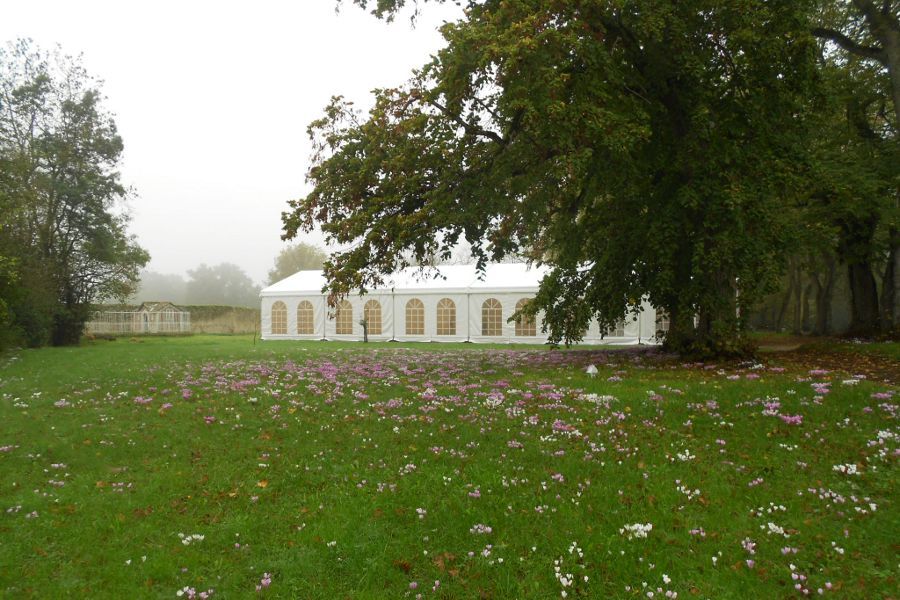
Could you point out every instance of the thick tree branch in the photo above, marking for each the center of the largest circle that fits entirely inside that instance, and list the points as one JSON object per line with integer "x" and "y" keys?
{"x": 849, "y": 45}
{"x": 470, "y": 128}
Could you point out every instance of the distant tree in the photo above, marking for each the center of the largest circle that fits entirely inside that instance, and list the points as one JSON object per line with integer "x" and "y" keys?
{"x": 854, "y": 189}
{"x": 863, "y": 67}
{"x": 298, "y": 257}
{"x": 64, "y": 221}
{"x": 640, "y": 148}
{"x": 225, "y": 283}
{"x": 161, "y": 286}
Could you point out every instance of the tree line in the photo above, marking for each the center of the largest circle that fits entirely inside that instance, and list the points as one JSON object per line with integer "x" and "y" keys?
{"x": 226, "y": 283}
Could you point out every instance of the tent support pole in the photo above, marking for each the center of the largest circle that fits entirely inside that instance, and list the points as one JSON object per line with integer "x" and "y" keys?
{"x": 393, "y": 316}
{"x": 324, "y": 317}
{"x": 468, "y": 318}
{"x": 639, "y": 326}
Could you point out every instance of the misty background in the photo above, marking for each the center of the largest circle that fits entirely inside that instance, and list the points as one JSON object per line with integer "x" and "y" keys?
{"x": 212, "y": 100}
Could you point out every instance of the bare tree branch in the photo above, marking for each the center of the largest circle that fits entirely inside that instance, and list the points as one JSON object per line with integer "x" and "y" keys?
{"x": 849, "y": 45}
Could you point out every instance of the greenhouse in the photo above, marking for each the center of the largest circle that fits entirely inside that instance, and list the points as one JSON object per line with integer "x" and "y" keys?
{"x": 149, "y": 317}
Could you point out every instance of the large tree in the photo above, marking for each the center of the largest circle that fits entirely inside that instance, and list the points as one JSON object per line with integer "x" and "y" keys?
{"x": 641, "y": 148}
{"x": 64, "y": 220}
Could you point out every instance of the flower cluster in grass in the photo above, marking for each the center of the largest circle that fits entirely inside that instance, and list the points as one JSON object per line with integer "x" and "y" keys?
{"x": 333, "y": 471}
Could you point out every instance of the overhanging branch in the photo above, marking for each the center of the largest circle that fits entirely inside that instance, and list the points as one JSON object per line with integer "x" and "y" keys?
{"x": 851, "y": 46}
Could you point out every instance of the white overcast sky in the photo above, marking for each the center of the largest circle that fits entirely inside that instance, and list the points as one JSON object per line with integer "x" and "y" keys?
{"x": 212, "y": 100}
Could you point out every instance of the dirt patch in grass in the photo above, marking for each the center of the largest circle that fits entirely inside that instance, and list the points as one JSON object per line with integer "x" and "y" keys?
{"x": 837, "y": 355}
{"x": 782, "y": 342}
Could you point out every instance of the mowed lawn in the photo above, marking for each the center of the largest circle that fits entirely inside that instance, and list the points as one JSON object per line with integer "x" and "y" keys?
{"x": 210, "y": 465}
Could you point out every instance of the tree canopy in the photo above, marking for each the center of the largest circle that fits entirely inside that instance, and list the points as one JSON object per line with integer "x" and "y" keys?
{"x": 225, "y": 283}
{"x": 868, "y": 30}
{"x": 63, "y": 237}
{"x": 297, "y": 257}
{"x": 640, "y": 148}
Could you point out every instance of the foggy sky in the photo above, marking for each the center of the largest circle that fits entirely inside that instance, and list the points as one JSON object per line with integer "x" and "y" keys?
{"x": 212, "y": 100}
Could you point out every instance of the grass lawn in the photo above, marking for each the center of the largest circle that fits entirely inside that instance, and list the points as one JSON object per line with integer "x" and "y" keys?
{"x": 889, "y": 350}
{"x": 178, "y": 466}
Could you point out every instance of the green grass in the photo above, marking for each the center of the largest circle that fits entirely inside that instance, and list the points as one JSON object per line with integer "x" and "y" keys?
{"x": 310, "y": 461}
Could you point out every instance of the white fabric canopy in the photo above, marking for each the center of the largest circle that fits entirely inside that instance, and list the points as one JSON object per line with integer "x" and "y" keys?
{"x": 481, "y": 306}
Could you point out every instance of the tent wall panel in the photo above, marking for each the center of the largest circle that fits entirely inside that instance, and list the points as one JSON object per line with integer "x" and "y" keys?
{"x": 461, "y": 286}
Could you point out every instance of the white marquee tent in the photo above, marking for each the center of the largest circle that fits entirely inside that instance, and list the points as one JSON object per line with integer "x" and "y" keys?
{"x": 446, "y": 304}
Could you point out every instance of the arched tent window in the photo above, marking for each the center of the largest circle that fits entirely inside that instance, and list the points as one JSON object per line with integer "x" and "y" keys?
{"x": 662, "y": 321}
{"x": 372, "y": 315}
{"x": 491, "y": 317}
{"x": 587, "y": 330}
{"x": 343, "y": 318}
{"x": 279, "y": 318}
{"x": 415, "y": 317}
{"x": 305, "y": 317}
{"x": 446, "y": 317}
{"x": 525, "y": 326}
{"x": 617, "y": 331}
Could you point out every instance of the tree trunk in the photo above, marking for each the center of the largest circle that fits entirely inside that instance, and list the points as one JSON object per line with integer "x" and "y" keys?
{"x": 779, "y": 321}
{"x": 864, "y": 299}
{"x": 779, "y": 316}
{"x": 681, "y": 329}
{"x": 68, "y": 324}
{"x": 824, "y": 295}
{"x": 889, "y": 284}
{"x": 805, "y": 316}
{"x": 718, "y": 332}
{"x": 797, "y": 306}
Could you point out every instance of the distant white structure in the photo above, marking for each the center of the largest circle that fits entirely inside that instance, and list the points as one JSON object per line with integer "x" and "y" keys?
{"x": 455, "y": 306}
{"x": 150, "y": 317}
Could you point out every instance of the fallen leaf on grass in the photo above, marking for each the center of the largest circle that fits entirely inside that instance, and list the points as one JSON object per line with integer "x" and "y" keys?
{"x": 403, "y": 565}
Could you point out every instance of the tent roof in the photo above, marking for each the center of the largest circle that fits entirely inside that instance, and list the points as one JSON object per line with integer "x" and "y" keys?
{"x": 447, "y": 278}
{"x": 157, "y": 307}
